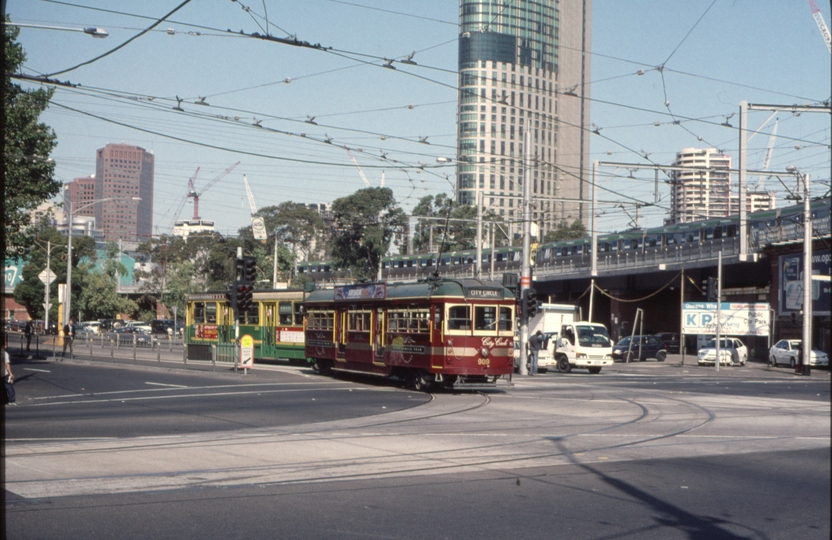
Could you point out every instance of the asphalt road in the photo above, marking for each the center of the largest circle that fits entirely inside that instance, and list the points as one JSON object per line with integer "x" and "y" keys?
{"x": 645, "y": 450}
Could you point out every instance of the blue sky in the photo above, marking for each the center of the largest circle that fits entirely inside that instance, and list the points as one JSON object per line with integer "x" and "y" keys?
{"x": 701, "y": 56}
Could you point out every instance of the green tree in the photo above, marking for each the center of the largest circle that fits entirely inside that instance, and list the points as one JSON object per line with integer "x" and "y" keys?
{"x": 453, "y": 227}
{"x": 30, "y": 293}
{"x": 27, "y": 168}
{"x": 566, "y": 232}
{"x": 366, "y": 223}
{"x": 98, "y": 298}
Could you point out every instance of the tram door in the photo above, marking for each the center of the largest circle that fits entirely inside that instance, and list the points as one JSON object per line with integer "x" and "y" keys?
{"x": 378, "y": 336}
{"x": 341, "y": 334}
{"x": 268, "y": 328}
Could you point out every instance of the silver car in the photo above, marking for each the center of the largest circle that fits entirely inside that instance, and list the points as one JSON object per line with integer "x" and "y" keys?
{"x": 786, "y": 352}
{"x": 731, "y": 351}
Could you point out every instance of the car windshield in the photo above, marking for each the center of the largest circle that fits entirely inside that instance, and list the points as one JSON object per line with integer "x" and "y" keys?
{"x": 589, "y": 336}
{"x": 723, "y": 344}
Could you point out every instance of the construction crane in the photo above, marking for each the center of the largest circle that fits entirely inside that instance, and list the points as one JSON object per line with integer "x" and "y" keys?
{"x": 360, "y": 172}
{"x": 250, "y": 196}
{"x": 192, "y": 193}
{"x": 179, "y": 208}
{"x": 258, "y": 224}
{"x": 824, "y": 30}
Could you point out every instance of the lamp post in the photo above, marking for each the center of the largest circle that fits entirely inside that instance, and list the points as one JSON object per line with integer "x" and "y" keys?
{"x": 807, "y": 268}
{"x": 71, "y": 210}
{"x": 89, "y": 30}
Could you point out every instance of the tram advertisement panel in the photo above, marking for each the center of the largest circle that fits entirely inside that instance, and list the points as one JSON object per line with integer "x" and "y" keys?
{"x": 790, "y": 270}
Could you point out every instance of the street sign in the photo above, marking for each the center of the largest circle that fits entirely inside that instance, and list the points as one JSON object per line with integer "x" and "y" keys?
{"x": 258, "y": 228}
{"x": 46, "y": 306}
{"x": 47, "y": 276}
{"x": 246, "y": 352}
{"x": 737, "y": 319}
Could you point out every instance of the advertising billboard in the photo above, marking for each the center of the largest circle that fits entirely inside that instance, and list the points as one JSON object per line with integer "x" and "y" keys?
{"x": 790, "y": 286}
{"x": 736, "y": 319}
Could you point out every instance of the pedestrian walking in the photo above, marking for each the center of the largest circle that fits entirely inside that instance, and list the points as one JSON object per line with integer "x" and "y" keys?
{"x": 29, "y": 330}
{"x": 535, "y": 345}
{"x": 8, "y": 376}
{"x": 69, "y": 337}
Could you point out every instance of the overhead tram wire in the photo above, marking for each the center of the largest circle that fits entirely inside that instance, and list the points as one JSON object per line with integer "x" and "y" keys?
{"x": 111, "y": 51}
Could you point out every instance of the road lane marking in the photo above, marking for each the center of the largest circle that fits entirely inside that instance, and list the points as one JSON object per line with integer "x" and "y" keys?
{"x": 38, "y": 370}
{"x": 170, "y": 385}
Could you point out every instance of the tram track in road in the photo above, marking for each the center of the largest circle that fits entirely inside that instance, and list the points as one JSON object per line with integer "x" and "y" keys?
{"x": 438, "y": 436}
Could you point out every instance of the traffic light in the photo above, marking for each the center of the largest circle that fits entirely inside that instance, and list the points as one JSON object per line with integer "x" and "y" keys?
{"x": 711, "y": 290}
{"x": 231, "y": 296}
{"x": 243, "y": 293}
{"x": 249, "y": 270}
{"x": 239, "y": 266}
{"x": 530, "y": 303}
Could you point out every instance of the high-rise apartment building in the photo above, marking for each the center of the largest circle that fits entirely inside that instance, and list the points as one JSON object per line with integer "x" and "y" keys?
{"x": 123, "y": 172}
{"x": 525, "y": 66}
{"x": 702, "y": 189}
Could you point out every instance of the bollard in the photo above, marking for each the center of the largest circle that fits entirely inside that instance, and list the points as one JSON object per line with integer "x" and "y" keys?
{"x": 112, "y": 349}
{"x": 134, "y": 348}
{"x": 53, "y": 347}
{"x": 213, "y": 357}
{"x": 159, "y": 356}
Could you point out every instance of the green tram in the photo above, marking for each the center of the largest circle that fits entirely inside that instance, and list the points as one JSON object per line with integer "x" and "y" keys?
{"x": 274, "y": 320}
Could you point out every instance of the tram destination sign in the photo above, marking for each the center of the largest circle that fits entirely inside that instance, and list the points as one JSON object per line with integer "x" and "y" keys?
{"x": 736, "y": 319}
{"x": 485, "y": 293}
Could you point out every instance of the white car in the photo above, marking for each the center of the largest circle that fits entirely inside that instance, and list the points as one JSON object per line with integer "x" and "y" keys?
{"x": 731, "y": 351}
{"x": 785, "y": 351}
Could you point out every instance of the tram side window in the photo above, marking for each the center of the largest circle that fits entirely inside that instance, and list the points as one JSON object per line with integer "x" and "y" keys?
{"x": 284, "y": 313}
{"x": 199, "y": 312}
{"x": 410, "y": 321}
{"x": 321, "y": 320}
{"x": 211, "y": 312}
{"x": 506, "y": 319}
{"x": 359, "y": 321}
{"x": 485, "y": 318}
{"x": 298, "y": 307}
{"x": 459, "y": 318}
{"x": 253, "y": 314}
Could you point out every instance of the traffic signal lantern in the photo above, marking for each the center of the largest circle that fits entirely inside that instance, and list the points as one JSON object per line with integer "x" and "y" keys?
{"x": 530, "y": 303}
{"x": 711, "y": 290}
{"x": 244, "y": 294}
{"x": 249, "y": 274}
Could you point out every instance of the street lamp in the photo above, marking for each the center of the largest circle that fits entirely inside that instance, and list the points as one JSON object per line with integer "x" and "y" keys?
{"x": 807, "y": 268}
{"x": 69, "y": 246}
{"x": 90, "y": 30}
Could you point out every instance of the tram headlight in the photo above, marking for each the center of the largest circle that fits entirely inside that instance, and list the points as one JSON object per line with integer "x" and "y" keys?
{"x": 484, "y": 352}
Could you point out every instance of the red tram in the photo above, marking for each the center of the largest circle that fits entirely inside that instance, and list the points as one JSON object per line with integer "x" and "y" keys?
{"x": 443, "y": 332}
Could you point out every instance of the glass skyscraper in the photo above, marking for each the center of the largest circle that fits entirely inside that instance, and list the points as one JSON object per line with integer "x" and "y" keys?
{"x": 524, "y": 65}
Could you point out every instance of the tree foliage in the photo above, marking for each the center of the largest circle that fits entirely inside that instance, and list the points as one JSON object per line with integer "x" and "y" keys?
{"x": 366, "y": 223}
{"x": 27, "y": 168}
{"x": 30, "y": 293}
{"x": 453, "y": 227}
{"x": 564, "y": 232}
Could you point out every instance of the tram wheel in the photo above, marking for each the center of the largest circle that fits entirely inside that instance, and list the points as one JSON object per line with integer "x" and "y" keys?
{"x": 323, "y": 367}
{"x": 422, "y": 381}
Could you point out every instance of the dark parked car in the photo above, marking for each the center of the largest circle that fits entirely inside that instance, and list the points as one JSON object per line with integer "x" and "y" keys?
{"x": 126, "y": 334}
{"x": 650, "y": 348}
{"x": 670, "y": 340}
{"x": 165, "y": 326}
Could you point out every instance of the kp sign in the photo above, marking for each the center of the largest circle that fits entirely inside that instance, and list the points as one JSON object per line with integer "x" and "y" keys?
{"x": 736, "y": 319}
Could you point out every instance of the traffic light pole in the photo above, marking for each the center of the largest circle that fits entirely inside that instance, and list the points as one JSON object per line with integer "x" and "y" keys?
{"x": 526, "y": 274}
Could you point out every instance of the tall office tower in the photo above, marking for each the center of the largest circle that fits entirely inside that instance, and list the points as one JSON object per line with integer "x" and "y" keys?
{"x": 702, "y": 190}
{"x": 123, "y": 171}
{"x": 525, "y": 65}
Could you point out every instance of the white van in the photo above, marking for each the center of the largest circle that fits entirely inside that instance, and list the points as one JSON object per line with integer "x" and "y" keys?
{"x": 92, "y": 326}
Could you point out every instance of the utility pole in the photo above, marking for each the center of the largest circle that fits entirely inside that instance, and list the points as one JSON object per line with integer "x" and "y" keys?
{"x": 526, "y": 274}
